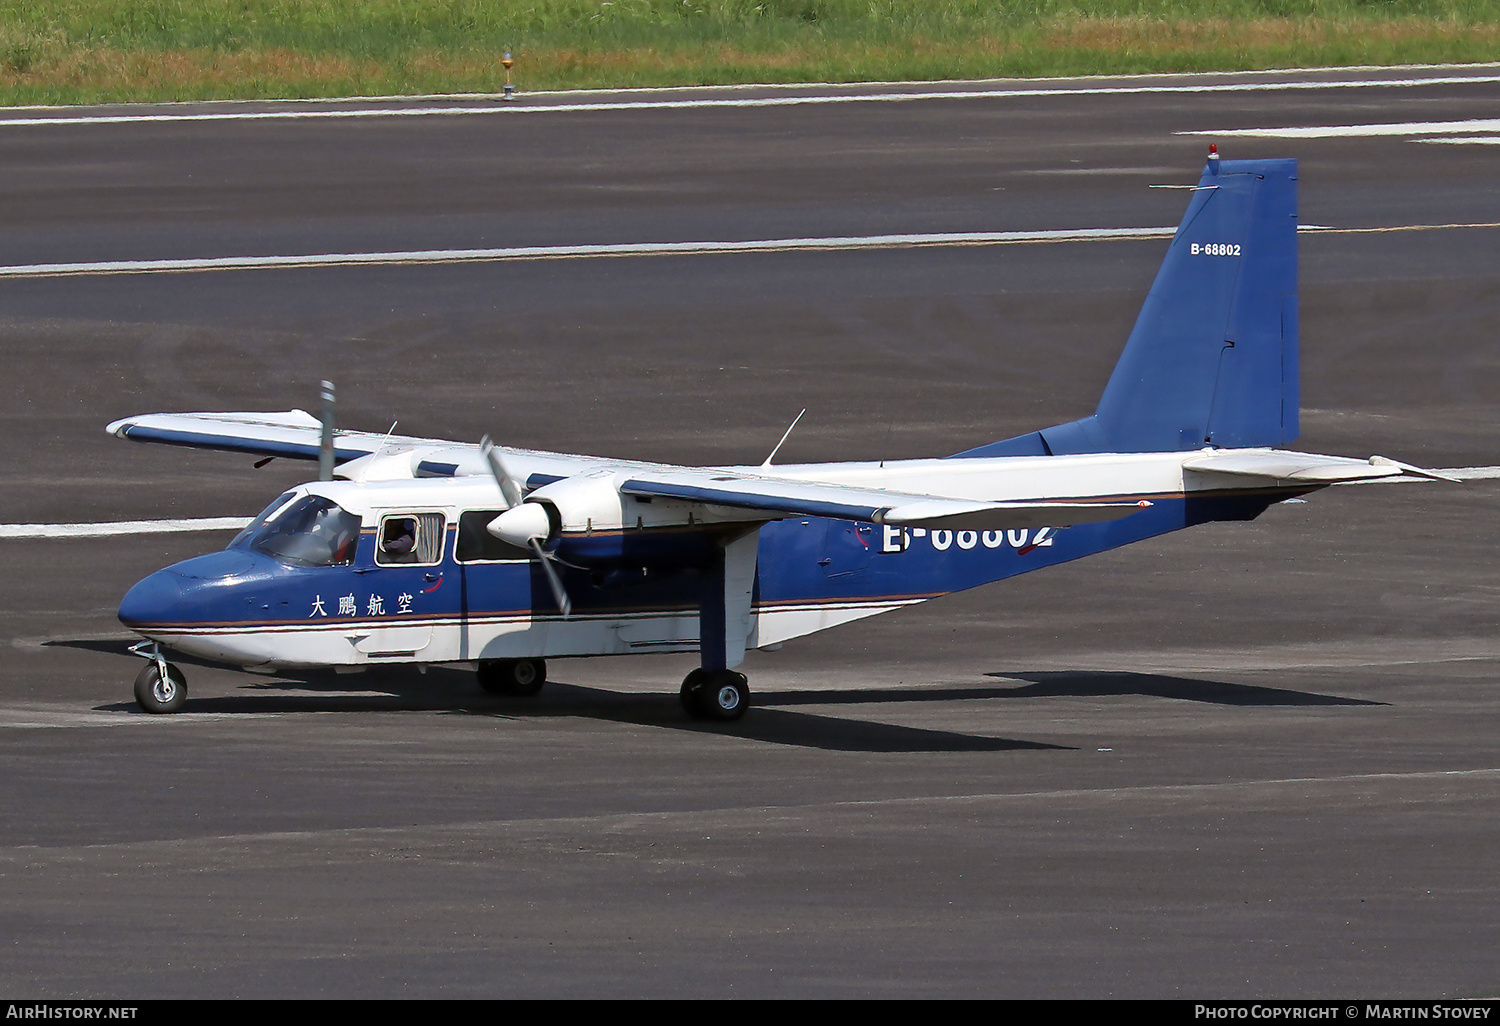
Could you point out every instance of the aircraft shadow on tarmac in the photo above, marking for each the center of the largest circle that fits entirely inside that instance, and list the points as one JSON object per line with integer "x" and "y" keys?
{"x": 1102, "y": 684}
{"x": 453, "y": 691}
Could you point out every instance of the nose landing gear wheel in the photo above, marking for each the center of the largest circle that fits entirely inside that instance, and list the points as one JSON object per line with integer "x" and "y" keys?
{"x": 158, "y": 693}
{"x": 721, "y": 695}
{"x": 523, "y": 677}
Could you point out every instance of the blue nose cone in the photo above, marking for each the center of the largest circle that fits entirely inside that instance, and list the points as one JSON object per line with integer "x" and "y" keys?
{"x": 205, "y": 589}
{"x": 159, "y": 599}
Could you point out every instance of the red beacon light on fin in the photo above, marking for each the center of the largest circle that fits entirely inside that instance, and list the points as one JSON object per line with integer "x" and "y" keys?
{"x": 1213, "y": 158}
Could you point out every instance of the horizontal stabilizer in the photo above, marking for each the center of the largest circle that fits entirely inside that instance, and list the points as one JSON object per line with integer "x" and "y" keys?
{"x": 1277, "y": 466}
{"x": 1431, "y": 475}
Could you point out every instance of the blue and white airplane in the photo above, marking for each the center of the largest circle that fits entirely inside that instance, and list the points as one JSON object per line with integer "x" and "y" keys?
{"x": 426, "y": 551}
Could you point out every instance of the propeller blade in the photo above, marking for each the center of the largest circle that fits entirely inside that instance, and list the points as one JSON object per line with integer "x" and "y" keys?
{"x": 511, "y": 493}
{"x": 325, "y": 436}
{"x": 558, "y": 594}
{"x": 509, "y": 490}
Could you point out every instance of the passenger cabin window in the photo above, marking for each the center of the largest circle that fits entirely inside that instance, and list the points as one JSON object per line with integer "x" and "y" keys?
{"x": 312, "y": 531}
{"x": 412, "y": 538}
{"x": 476, "y": 544}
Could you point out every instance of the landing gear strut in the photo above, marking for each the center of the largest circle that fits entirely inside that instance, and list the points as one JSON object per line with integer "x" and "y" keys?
{"x": 721, "y": 695}
{"x": 523, "y": 677}
{"x": 726, "y": 589}
{"x": 160, "y": 687}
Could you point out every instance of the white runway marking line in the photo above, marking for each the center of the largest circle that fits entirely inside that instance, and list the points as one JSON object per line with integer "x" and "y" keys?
{"x": 1400, "y": 128}
{"x": 107, "y": 529}
{"x": 1148, "y": 790}
{"x": 44, "y": 718}
{"x": 1323, "y": 229}
{"x": 749, "y": 101}
{"x": 625, "y": 249}
{"x": 643, "y": 249}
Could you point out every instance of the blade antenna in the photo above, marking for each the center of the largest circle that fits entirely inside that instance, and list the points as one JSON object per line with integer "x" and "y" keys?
{"x": 783, "y": 440}
{"x": 384, "y": 441}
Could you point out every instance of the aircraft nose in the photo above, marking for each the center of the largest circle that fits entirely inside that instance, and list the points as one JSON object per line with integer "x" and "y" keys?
{"x": 157, "y": 599}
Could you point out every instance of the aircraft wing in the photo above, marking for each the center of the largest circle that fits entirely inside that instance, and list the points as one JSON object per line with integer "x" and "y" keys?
{"x": 783, "y": 496}
{"x": 293, "y": 434}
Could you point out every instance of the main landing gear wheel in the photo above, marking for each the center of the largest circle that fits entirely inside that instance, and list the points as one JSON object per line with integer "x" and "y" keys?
{"x": 523, "y": 677}
{"x": 158, "y": 693}
{"x": 721, "y": 695}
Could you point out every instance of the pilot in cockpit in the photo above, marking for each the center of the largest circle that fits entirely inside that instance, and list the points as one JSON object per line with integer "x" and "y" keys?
{"x": 398, "y": 540}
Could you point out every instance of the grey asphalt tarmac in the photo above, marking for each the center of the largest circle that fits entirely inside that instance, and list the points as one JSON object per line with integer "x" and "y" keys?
{"x": 1248, "y": 760}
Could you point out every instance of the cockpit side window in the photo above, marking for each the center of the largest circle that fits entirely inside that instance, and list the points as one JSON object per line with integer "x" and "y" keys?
{"x": 413, "y": 538}
{"x": 312, "y": 531}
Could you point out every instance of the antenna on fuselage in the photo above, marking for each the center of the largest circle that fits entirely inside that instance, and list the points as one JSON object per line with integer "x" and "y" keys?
{"x": 384, "y": 441}
{"x": 325, "y": 442}
{"x": 783, "y": 440}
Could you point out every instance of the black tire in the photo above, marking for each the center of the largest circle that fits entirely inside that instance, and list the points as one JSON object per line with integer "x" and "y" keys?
{"x": 158, "y": 694}
{"x": 721, "y": 695}
{"x": 692, "y": 691}
{"x": 521, "y": 677}
{"x": 527, "y": 676}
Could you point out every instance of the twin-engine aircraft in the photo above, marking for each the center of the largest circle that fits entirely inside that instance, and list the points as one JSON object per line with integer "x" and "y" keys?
{"x": 426, "y": 551}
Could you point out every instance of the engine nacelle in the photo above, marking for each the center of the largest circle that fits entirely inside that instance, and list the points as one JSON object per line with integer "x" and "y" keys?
{"x": 584, "y": 521}
{"x": 574, "y": 506}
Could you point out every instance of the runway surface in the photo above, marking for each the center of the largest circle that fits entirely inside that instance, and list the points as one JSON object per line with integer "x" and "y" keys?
{"x": 1246, "y": 760}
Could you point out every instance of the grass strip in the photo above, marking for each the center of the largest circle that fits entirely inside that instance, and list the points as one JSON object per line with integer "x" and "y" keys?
{"x": 88, "y": 51}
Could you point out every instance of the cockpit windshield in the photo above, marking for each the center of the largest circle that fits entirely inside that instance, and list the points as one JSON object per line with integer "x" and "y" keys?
{"x": 312, "y": 531}
{"x": 255, "y": 525}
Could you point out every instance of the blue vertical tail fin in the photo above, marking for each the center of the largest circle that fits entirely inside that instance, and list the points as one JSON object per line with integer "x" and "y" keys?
{"x": 1213, "y": 357}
